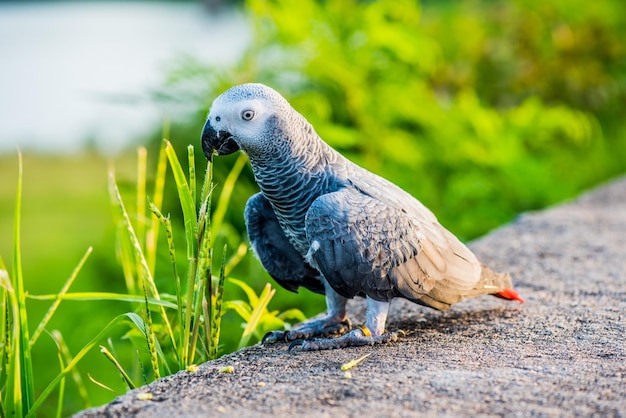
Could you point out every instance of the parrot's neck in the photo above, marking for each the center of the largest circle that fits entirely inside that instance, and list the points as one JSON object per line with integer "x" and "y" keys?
{"x": 292, "y": 178}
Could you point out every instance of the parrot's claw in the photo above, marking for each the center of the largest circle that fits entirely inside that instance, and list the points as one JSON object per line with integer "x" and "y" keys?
{"x": 274, "y": 337}
{"x": 294, "y": 344}
{"x": 315, "y": 328}
{"x": 355, "y": 338}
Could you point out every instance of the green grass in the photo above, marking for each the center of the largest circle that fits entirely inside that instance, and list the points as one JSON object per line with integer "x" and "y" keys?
{"x": 65, "y": 210}
{"x": 129, "y": 310}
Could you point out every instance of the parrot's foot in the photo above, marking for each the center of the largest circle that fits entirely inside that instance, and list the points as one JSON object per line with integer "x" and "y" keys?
{"x": 356, "y": 338}
{"x": 315, "y": 328}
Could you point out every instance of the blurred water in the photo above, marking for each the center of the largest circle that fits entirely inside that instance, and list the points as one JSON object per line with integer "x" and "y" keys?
{"x": 62, "y": 63}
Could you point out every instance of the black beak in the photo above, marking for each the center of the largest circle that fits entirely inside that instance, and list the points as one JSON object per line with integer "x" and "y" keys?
{"x": 213, "y": 141}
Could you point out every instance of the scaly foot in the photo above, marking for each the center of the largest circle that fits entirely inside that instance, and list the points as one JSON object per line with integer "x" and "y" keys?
{"x": 324, "y": 327}
{"x": 333, "y": 323}
{"x": 356, "y": 338}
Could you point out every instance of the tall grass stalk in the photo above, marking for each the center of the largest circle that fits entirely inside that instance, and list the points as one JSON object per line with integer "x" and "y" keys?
{"x": 17, "y": 383}
{"x": 198, "y": 248}
{"x": 118, "y": 366}
{"x": 146, "y": 279}
{"x": 59, "y": 412}
{"x": 156, "y": 201}
{"x": 194, "y": 334}
{"x": 58, "y": 298}
{"x": 191, "y": 334}
{"x": 76, "y": 377}
{"x": 68, "y": 368}
{"x": 19, "y": 390}
{"x": 199, "y": 294}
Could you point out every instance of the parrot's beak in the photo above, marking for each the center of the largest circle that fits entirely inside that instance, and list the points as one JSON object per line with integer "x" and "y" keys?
{"x": 220, "y": 142}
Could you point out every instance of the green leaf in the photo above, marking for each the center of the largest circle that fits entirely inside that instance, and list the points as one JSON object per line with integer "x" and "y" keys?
{"x": 100, "y": 296}
{"x": 187, "y": 202}
{"x": 57, "y": 301}
{"x": 20, "y": 381}
{"x": 242, "y": 308}
{"x": 253, "y": 299}
{"x": 255, "y": 317}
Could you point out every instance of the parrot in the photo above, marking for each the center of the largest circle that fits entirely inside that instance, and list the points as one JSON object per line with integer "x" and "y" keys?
{"x": 326, "y": 224}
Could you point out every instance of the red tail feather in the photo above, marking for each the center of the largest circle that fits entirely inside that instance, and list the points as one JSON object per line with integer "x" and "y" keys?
{"x": 510, "y": 294}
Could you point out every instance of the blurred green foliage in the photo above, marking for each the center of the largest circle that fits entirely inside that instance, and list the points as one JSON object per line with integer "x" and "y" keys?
{"x": 481, "y": 109}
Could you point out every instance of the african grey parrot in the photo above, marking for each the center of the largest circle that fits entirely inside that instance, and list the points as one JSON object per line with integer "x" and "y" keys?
{"x": 324, "y": 223}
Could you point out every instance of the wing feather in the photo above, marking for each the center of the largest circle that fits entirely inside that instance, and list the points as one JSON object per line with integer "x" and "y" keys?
{"x": 279, "y": 258}
{"x": 367, "y": 246}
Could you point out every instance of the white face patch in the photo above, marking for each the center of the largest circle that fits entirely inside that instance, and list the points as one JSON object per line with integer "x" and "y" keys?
{"x": 244, "y": 121}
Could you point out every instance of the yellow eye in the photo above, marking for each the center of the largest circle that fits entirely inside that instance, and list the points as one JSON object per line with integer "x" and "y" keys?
{"x": 247, "y": 114}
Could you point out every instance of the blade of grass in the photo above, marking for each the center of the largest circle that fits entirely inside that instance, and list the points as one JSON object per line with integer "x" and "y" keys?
{"x": 141, "y": 326}
{"x": 53, "y": 384}
{"x": 204, "y": 270}
{"x": 102, "y": 385}
{"x": 26, "y": 382}
{"x": 140, "y": 213}
{"x": 192, "y": 172}
{"x": 119, "y": 297}
{"x": 123, "y": 248}
{"x": 216, "y": 318}
{"x": 150, "y": 338}
{"x": 188, "y": 205}
{"x": 4, "y": 329}
{"x": 59, "y": 413}
{"x": 57, "y": 301}
{"x": 253, "y": 299}
{"x": 241, "y": 252}
{"x": 257, "y": 312}
{"x": 207, "y": 186}
{"x": 177, "y": 283}
{"x": 124, "y": 252}
{"x": 12, "y": 388}
{"x": 157, "y": 202}
{"x": 226, "y": 193}
{"x": 203, "y": 286}
{"x": 118, "y": 366}
{"x": 145, "y": 273}
{"x": 132, "y": 236}
{"x": 67, "y": 357}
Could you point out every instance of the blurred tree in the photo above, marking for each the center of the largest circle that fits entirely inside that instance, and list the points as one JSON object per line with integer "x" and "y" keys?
{"x": 477, "y": 108}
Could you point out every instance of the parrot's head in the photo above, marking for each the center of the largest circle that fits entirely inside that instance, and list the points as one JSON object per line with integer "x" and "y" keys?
{"x": 245, "y": 117}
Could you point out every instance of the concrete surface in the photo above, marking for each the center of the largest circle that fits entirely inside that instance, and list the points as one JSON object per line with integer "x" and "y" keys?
{"x": 562, "y": 353}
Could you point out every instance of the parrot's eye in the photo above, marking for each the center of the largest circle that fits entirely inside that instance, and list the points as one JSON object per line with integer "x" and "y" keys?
{"x": 217, "y": 119}
{"x": 247, "y": 114}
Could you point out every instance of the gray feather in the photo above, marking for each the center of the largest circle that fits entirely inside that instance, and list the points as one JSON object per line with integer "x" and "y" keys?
{"x": 276, "y": 254}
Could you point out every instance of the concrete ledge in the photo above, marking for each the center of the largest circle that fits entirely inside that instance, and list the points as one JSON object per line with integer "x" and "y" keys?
{"x": 562, "y": 353}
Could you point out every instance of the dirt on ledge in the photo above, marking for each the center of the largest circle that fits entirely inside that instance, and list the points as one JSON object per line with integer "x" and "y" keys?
{"x": 562, "y": 353}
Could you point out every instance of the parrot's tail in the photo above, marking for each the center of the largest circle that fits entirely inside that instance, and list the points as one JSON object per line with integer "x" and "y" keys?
{"x": 509, "y": 294}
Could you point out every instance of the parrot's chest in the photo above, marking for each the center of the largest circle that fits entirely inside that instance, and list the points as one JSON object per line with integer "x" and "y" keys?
{"x": 292, "y": 225}
{"x": 291, "y": 210}
{"x": 291, "y": 189}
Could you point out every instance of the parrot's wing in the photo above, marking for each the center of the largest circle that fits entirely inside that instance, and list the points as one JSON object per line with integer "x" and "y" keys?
{"x": 362, "y": 245}
{"x": 277, "y": 255}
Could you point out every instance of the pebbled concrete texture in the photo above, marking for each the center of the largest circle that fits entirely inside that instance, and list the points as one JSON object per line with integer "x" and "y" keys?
{"x": 562, "y": 353}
